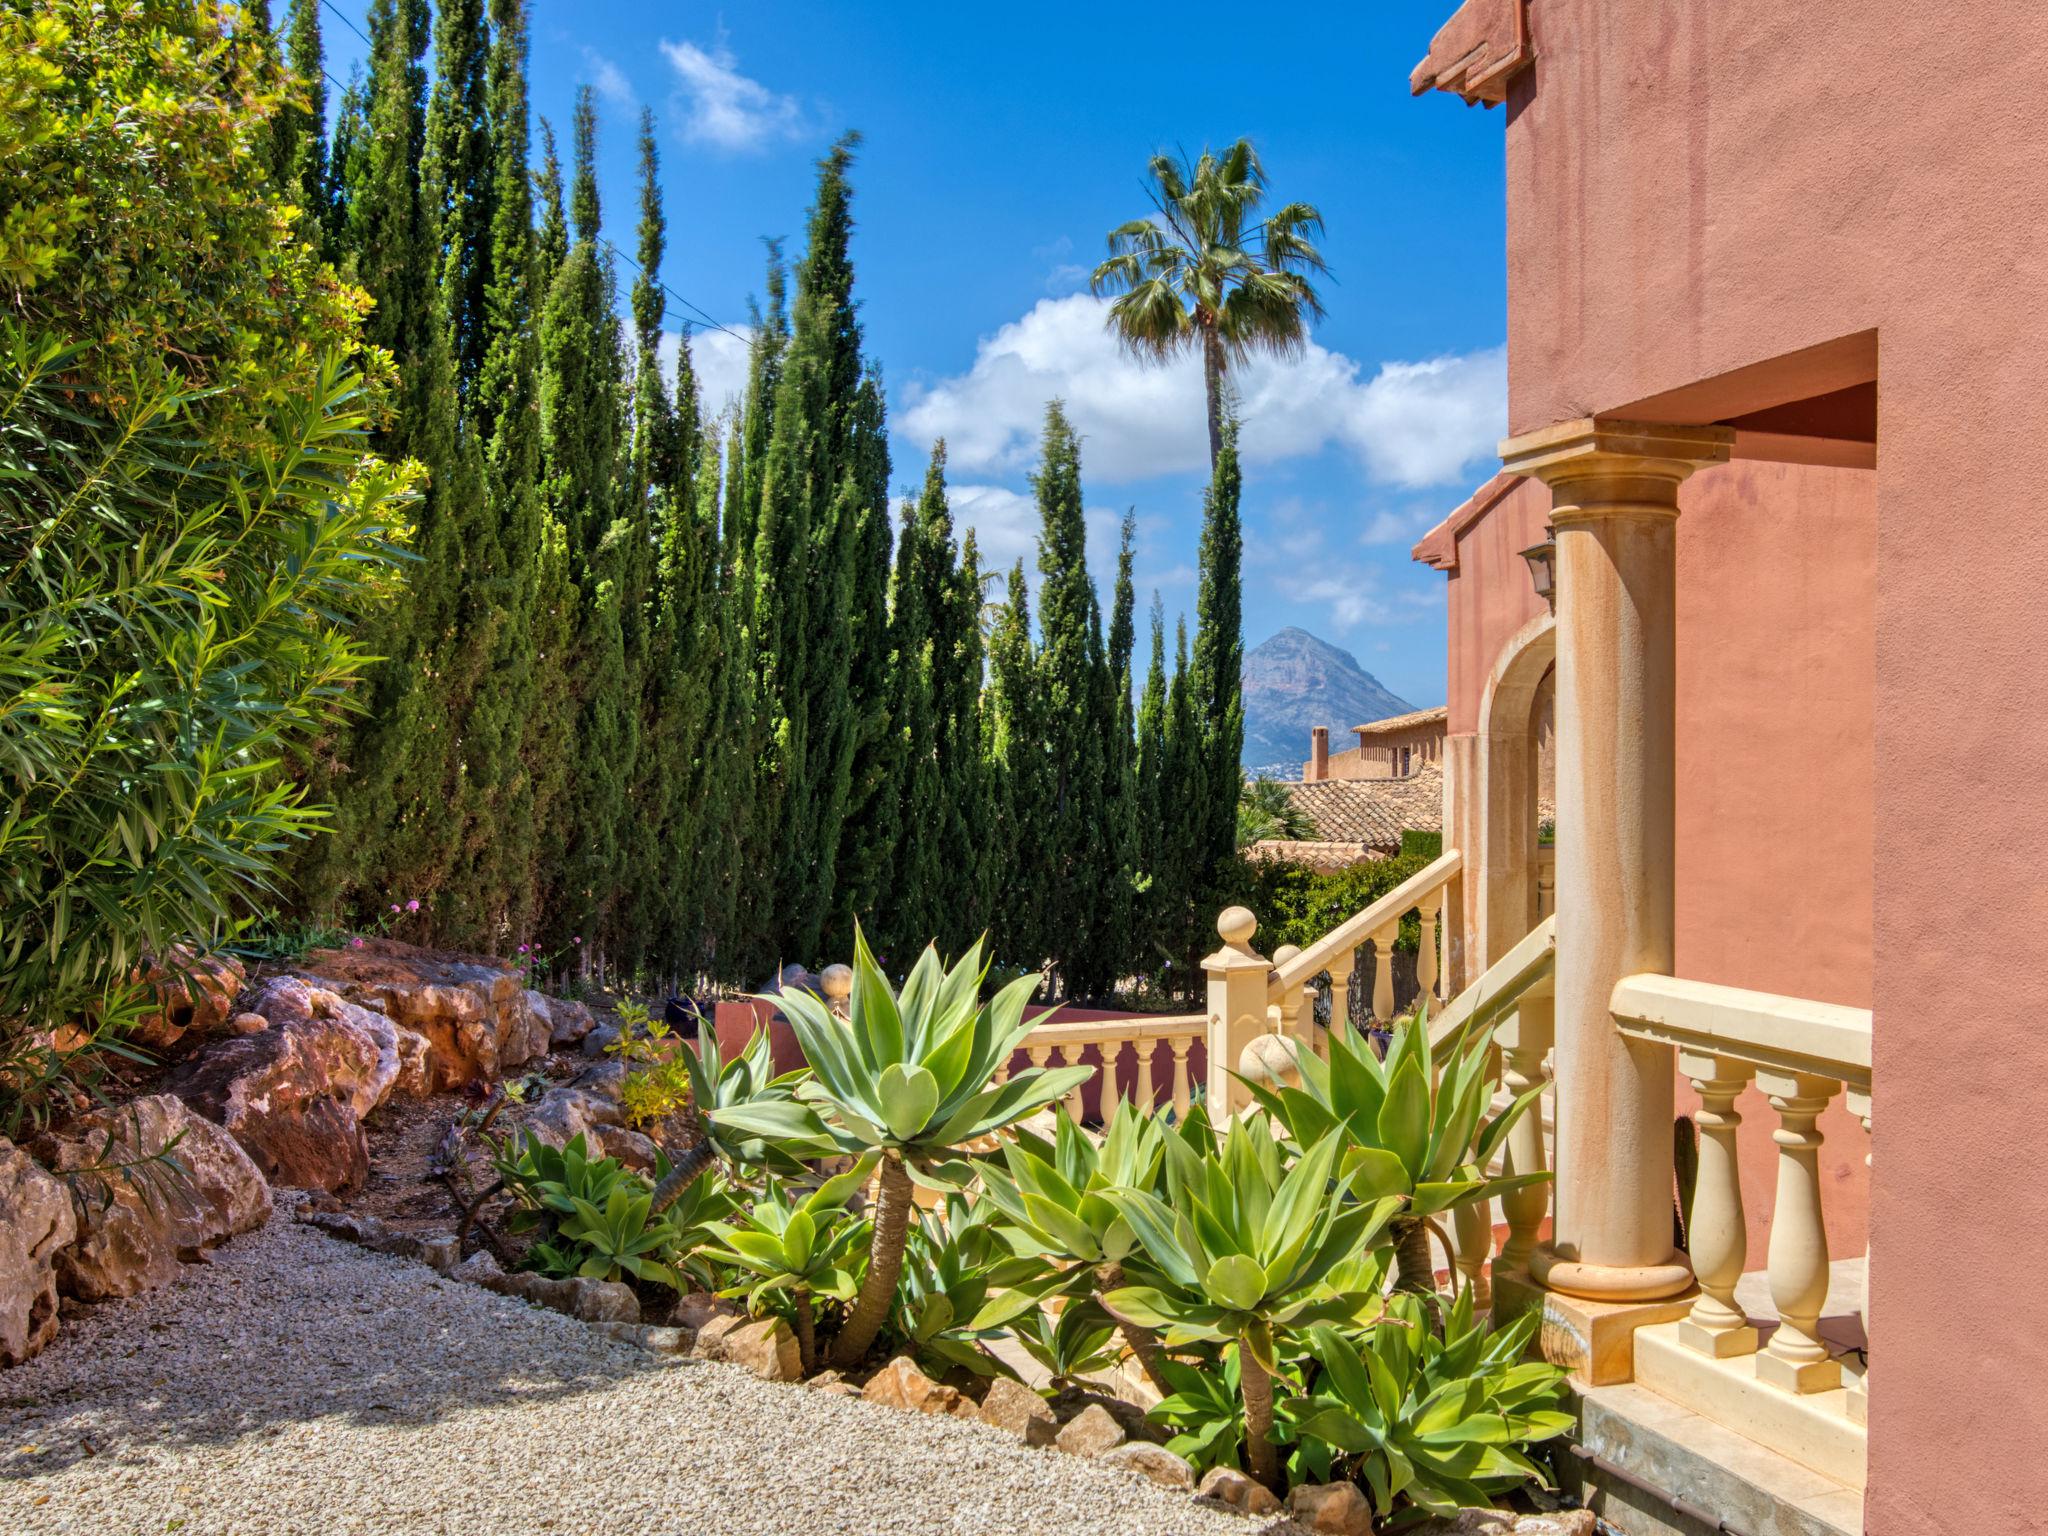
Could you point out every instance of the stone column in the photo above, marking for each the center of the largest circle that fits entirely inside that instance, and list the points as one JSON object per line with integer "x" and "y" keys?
{"x": 1237, "y": 1009}
{"x": 1614, "y": 494}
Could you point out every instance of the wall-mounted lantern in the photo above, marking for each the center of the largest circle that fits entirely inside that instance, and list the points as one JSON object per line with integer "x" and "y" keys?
{"x": 1542, "y": 560}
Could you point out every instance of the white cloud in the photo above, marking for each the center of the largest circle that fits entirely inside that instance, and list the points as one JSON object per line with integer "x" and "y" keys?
{"x": 1005, "y": 524}
{"x": 725, "y": 107}
{"x": 1410, "y": 424}
{"x": 609, "y": 79}
{"x": 719, "y": 359}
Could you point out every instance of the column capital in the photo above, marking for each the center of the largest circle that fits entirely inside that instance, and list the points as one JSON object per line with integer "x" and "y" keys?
{"x": 1596, "y": 467}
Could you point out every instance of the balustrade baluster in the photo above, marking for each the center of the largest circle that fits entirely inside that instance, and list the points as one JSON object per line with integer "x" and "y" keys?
{"x": 1181, "y": 1045}
{"x": 1142, "y": 1094}
{"x": 1525, "y": 1039}
{"x": 1472, "y": 1234}
{"x": 1071, "y": 1056}
{"x": 1717, "y": 1326}
{"x": 1858, "y": 1100}
{"x": 1002, "y": 1072}
{"x": 1037, "y": 1054}
{"x": 1383, "y": 971}
{"x": 1796, "y": 1360}
{"x": 1425, "y": 956}
{"x": 1286, "y": 1014}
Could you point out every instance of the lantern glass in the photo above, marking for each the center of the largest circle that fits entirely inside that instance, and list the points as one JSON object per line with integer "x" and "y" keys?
{"x": 1542, "y": 560}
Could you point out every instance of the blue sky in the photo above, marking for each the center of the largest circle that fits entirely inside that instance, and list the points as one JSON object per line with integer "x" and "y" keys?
{"x": 1001, "y": 143}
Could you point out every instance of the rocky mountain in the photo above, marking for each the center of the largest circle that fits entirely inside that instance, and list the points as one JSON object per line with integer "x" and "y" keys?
{"x": 1294, "y": 681}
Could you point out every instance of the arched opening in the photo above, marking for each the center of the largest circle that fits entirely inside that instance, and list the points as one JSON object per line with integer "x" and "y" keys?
{"x": 1509, "y": 854}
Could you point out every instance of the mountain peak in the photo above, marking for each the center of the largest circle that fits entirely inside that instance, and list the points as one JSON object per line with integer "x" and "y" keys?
{"x": 1297, "y": 680}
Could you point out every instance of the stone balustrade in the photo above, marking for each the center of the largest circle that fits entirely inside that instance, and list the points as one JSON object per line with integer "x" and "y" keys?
{"x": 1160, "y": 1069}
{"x": 1800, "y": 1054}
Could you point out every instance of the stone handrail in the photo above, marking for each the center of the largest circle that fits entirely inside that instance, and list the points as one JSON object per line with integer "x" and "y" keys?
{"x": 1057, "y": 1044}
{"x": 1800, "y": 1053}
{"x": 1382, "y": 917}
{"x": 1510, "y": 978}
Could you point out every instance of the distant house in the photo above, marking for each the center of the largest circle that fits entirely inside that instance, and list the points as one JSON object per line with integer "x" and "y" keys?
{"x": 1392, "y": 748}
{"x": 1359, "y": 820}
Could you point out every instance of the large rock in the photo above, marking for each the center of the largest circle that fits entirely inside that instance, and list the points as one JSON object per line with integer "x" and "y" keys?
{"x": 135, "y": 1227}
{"x": 1233, "y": 1490}
{"x": 563, "y": 1113}
{"x": 900, "y": 1384}
{"x": 397, "y": 1055}
{"x": 1012, "y": 1406}
{"x": 291, "y": 1096}
{"x": 1336, "y": 1509}
{"x": 1154, "y": 1463}
{"x": 473, "y": 1013}
{"x": 1091, "y": 1432}
{"x": 36, "y": 1222}
{"x": 568, "y": 1021}
{"x": 766, "y": 1348}
{"x": 191, "y": 995}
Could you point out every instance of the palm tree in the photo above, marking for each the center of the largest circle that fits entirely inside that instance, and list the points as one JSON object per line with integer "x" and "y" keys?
{"x": 1266, "y": 810}
{"x": 1203, "y": 270}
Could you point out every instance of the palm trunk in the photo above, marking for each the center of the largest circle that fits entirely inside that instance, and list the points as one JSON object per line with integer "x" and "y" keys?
{"x": 1212, "y": 380}
{"x": 806, "y": 1333}
{"x": 1143, "y": 1341}
{"x": 1413, "y": 1269}
{"x": 682, "y": 1173}
{"x": 885, "y": 1266}
{"x": 1256, "y": 1387}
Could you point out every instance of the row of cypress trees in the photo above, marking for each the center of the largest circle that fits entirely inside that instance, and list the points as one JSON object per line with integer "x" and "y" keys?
{"x": 671, "y": 694}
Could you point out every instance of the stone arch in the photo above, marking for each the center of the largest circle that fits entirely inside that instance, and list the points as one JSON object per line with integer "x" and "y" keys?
{"x": 1502, "y": 862}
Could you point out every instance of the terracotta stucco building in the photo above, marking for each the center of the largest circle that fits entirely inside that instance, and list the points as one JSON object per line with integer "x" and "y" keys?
{"x": 1776, "y": 278}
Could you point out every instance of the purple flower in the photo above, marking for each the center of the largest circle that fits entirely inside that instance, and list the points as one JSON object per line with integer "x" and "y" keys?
{"x": 394, "y": 906}
{"x": 355, "y": 943}
{"x": 578, "y": 939}
{"x": 413, "y": 905}
{"x": 522, "y": 949}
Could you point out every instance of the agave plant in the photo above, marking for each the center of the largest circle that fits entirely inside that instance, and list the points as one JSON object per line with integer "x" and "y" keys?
{"x": 1242, "y": 1250}
{"x": 1412, "y": 1127}
{"x": 907, "y": 1076}
{"x": 796, "y": 1248}
{"x": 1435, "y": 1420}
{"x": 956, "y": 1262}
{"x": 715, "y": 1082}
{"x": 1076, "y": 1341}
{"x": 1055, "y": 1200}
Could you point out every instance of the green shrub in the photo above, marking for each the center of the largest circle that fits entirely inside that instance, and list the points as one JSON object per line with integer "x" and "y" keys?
{"x": 1428, "y": 846}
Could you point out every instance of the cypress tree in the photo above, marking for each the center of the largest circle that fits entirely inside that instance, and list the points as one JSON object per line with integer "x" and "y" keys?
{"x": 1217, "y": 684}
{"x": 913, "y": 897}
{"x": 1070, "y": 666}
{"x": 1119, "y": 949}
{"x": 551, "y": 242}
{"x": 1183, "y": 816}
{"x": 300, "y": 128}
{"x": 811, "y": 488}
{"x": 348, "y": 169}
{"x": 1149, "y": 796}
{"x": 957, "y": 723}
{"x": 461, "y": 176}
{"x": 1020, "y": 824}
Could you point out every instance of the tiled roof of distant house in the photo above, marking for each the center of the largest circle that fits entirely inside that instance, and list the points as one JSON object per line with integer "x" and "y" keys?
{"x": 1373, "y": 812}
{"x": 1324, "y": 857}
{"x": 1413, "y": 720}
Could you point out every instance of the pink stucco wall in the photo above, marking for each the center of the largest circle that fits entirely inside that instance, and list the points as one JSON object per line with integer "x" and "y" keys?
{"x": 1698, "y": 188}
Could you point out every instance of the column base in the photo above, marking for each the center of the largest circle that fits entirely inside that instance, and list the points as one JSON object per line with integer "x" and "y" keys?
{"x": 1557, "y": 1271}
{"x": 1594, "y": 1340}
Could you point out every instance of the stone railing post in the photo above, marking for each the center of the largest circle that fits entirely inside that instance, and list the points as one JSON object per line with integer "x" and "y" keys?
{"x": 1286, "y": 1014}
{"x": 1425, "y": 954}
{"x": 1340, "y": 996}
{"x": 1524, "y": 1041}
{"x": 1796, "y": 1360}
{"x": 1614, "y": 506}
{"x": 1717, "y": 1326}
{"x": 1237, "y": 1008}
{"x": 838, "y": 984}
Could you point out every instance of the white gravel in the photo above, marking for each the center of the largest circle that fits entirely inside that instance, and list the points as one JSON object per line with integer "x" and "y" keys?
{"x": 300, "y": 1384}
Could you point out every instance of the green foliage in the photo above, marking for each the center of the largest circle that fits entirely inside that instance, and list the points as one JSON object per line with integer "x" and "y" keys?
{"x": 594, "y": 1216}
{"x": 955, "y": 1263}
{"x": 1265, "y": 810}
{"x": 1428, "y": 846}
{"x": 812, "y": 1246}
{"x": 1435, "y": 1420}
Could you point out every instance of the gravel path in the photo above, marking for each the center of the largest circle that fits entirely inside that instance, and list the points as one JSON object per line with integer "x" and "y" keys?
{"x": 299, "y": 1384}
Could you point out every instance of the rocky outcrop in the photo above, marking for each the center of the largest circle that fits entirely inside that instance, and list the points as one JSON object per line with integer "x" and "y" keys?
{"x": 294, "y": 1095}
{"x": 563, "y": 1113}
{"x": 475, "y": 1016}
{"x": 36, "y": 1222}
{"x": 567, "y": 1022}
{"x": 137, "y": 1219}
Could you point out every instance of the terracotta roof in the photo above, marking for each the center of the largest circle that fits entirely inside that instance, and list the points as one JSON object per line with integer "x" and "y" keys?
{"x": 1408, "y": 722}
{"x": 1325, "y": 857}
{"x": 1373, "y": 812}
{"x": 1439, "y": 546}
{"x": 1484, "y": 45}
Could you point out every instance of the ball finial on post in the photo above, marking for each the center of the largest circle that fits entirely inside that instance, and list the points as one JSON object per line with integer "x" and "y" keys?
{"x": 1235, "y": 926}
{"x": 838, "y": 984}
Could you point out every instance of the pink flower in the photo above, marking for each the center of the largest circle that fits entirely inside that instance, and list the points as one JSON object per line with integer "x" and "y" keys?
{"x": 394, "y": 906}
{"x": 413, "y": 905}
{"x": 522, "y": 949}
{"x": 356, "y": 943}
{"x": 578, "y": 939}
